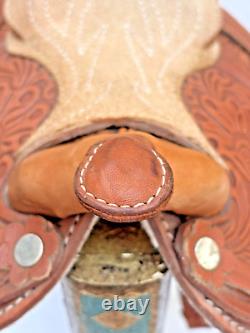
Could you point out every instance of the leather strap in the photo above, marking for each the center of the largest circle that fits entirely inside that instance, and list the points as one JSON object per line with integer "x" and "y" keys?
{"x": 27, "y": 96}
{"x": 220, "y": 295}
{"x": 226, "y": 305}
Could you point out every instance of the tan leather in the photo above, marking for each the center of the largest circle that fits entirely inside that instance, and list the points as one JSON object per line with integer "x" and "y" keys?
{"x": 124, "y": 179}
{"x": 117, "y": 59}
{"x": 218, "y": 98}
{"x": 43, "y": 182}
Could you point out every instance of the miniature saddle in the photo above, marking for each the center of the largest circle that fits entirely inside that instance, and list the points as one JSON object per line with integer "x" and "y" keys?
{"x": 128, "y": 111}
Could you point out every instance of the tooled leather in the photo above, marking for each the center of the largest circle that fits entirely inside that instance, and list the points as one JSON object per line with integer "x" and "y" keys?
{"x": 73, "y": 231}
{"x": 202, "y": 304}
{"x": 117, "y": 179}
{"x": 226, "y": 121}
{"x": 146, "y": 76}
{"x": 27, "y": 94}
{"x": 233, "y": 231}
{"x": 219, "y": 98}
{"x": 23, "y": 85}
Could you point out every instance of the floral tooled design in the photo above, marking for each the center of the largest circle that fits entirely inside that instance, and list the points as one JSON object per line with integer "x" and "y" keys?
{"x": 27, "y": 94}
{"x": 219, "y": 99}
{"x": 9, "y": 236}
{"x": 191, "y": 235}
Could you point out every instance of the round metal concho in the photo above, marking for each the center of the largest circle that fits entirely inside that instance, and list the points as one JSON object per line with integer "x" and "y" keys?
{"x": 207, "y": 253}
{"x": 28, "y": 250}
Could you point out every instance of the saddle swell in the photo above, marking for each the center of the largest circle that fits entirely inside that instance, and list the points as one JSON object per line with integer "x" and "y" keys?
{"x": 27, "y": 95}
{"x": 222, "y": 93}
{"x": 218, "y": 98}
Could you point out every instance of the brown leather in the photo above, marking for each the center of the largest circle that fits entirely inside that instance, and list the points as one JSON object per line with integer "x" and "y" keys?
{"x": 38, "y": 183}
{"x": 192, "y": 317}
{"x": 27, "y": 94}
{"x": 133, "y": 68}
{"x": 124, "y": 179}
{"x": 219, "y": 100}
{"x": 236, "y": 32}
{"x": 229, "y": 285}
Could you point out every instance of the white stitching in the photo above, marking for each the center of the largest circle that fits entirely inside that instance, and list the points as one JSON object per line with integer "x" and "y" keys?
{"x": 68, "y": 16}
{"x": 234, "y": 324}
{"x": 183, "y": 46}
{"x": 170, "y": 235}
{"x": 128, "y": 33}
{"x": 102, "y": 35}
{"x": 59, "y": 49}
{"x": 29, "y": 292}
{"x": 226, "y": 317}
{"x": 149, "y": 38}
{"x": 15, "y": 303}
{"x": 71, "y": 230}
{"x": 139, "y": 204}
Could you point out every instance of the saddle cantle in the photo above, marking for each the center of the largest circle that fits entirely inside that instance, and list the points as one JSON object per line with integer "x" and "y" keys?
{"x": 209, "y": 255}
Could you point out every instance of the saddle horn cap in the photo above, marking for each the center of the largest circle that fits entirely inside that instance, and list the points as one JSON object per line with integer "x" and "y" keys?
{"x": 124, "y": 179}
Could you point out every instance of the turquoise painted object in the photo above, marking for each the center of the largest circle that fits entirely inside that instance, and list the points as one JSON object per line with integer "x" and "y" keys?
{"x": 96, "y": 320}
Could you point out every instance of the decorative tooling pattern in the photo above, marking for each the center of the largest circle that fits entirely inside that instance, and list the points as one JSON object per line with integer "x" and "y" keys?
{"x": 116, "y": 60}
